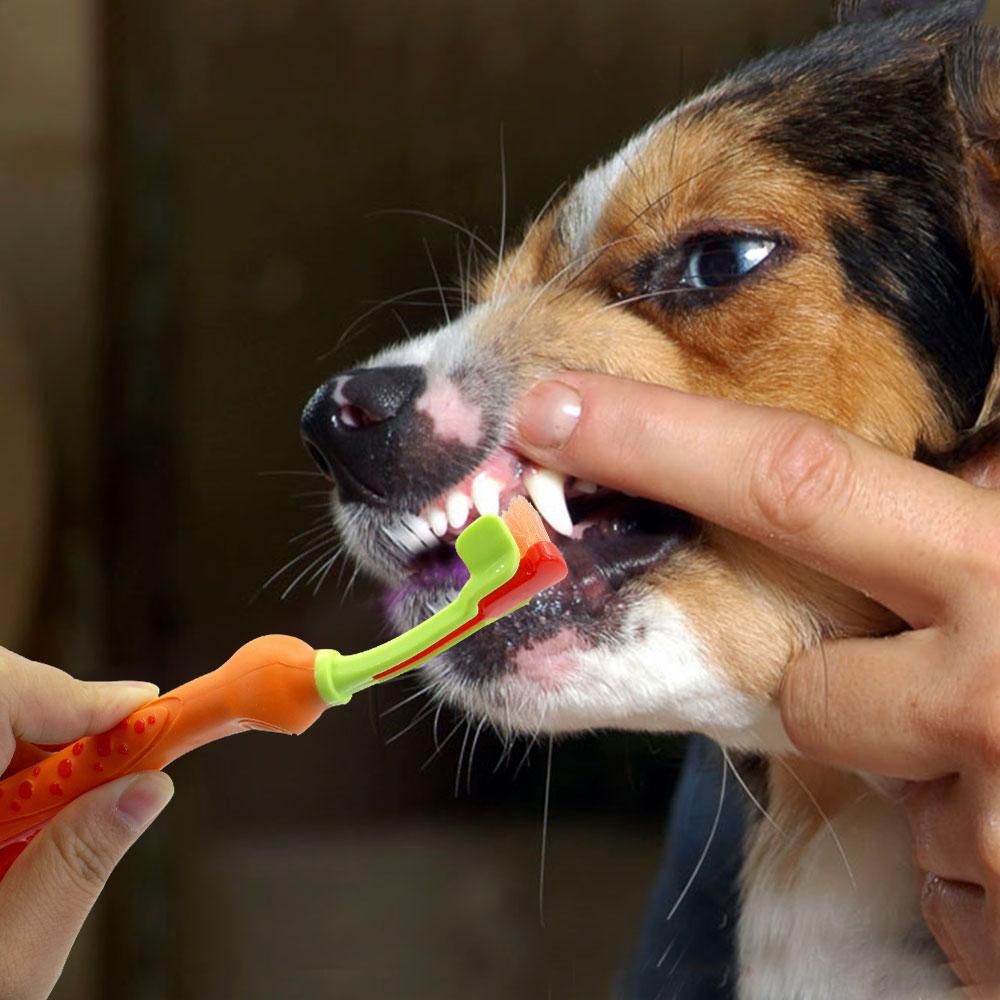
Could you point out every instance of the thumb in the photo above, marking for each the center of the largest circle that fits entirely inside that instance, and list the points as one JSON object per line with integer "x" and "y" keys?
{"x": 50, "y": 889}
{"x": 46, "y": 705}
{"x": 868, "y": 705}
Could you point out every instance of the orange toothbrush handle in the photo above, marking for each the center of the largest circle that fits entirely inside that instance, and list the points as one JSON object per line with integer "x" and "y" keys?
{"x": 267, "y": 684}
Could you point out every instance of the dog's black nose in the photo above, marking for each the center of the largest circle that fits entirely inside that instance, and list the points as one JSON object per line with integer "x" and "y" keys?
{"x": 355, "y": 422}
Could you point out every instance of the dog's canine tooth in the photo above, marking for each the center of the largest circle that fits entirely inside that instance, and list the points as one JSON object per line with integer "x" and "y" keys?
{"x": 486, "y": 494}
{"x": 458, "y": 507}
{"x": 547, "y": 491}
{"x": 585, "y": 486}
{"x": 438, "y": 521}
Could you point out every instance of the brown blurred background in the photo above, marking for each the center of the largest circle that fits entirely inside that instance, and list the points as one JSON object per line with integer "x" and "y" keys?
{"x": 186, "y": 197}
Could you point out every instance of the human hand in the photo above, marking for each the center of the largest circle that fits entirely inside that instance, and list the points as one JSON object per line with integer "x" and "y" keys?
{"x": 48, "y": 892}
{"x": 924, "y": 705}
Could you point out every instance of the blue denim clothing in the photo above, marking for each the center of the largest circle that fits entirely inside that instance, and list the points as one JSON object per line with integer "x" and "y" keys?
{"x": 691, "y": 955}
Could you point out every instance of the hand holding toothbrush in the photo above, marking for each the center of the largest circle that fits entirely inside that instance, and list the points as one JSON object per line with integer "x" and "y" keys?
{"x": 69, "y": 811}
{"x": 46, "y": 897}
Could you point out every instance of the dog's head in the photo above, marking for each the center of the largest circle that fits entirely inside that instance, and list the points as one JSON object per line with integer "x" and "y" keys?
{"x": 818, "y": 232}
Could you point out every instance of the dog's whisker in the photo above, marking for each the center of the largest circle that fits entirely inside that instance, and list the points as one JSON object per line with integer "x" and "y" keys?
{"x": 412, "y": 724}
{"x": 545, "y": 835}
{"x": 532, "y": 741}
{"x": 543, "y": 211}
{"x": 471, "y": 267}
{"x": 440, "y": 747}
{"x": 434, "y": 217}
{"x": 323, "y": 527}
{"x": 746, "y": 788}
{"x": 437, "y": 720}
{"x": 462, "y": 281}
{"x": 826, "y": 819}
{"x": 291, "y": 472}
{"x": 704, "y": 853}
{"x": 420, "y": 304}
{"x": 461, "y": 757}
{"x": 321, "y": 575}
{"x": 420, "y": 692}
{"x": 503, "y": 209}
{"x": 565, "y": 269}
{"x": 371, "y": 311}
{"x": 309, "y": 493}
{"x": 507, "y": 750}
{"x": 351, "y": 583}
{"x": 472, "y": 755}
{"x": 305, "y": 572}
{"x": 294, "y": 561}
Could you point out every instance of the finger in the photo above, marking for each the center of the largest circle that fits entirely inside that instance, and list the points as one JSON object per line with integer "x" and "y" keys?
{"x": 867, "y": 704}
{"x": 956, "y": 914}
{"x": 943, "y": 824}
{"x": 880, "y": 523}
{"x": 50, "y": 889}
{"x": 46, "y": 705}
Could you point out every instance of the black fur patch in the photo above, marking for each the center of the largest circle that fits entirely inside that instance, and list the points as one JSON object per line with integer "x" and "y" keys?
{"x": 868, "y": 109}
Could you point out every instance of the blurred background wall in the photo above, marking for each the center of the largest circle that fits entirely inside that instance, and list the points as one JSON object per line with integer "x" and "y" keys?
{"x": 187, "y": 192}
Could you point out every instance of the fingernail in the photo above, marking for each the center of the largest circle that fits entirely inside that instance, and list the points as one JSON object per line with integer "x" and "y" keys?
{"x": 149, "y": 689}
{"x": 144, "y": 798}
{"x": 549, "y": 413}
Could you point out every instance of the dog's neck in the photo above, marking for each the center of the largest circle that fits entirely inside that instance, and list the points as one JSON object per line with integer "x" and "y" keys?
{"x": 830, "y": 898}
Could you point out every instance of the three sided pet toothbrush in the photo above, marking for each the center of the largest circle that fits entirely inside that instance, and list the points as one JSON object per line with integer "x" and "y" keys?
{"x": 280, "y": 684}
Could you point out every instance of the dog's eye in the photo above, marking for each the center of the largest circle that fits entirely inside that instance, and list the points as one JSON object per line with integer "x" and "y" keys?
{"x": 699, "y": 271}
{"x": 722, "y": 261}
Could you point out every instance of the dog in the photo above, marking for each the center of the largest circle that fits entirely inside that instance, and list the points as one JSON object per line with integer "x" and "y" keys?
{"x": 817, "y": 232}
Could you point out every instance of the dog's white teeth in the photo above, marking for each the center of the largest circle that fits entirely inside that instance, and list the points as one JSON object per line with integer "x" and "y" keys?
{"x": 585, "y": 486}
{"x": 458, "y": 506}
{"x": 486, "y": 494}
{"x": 438, "y": 521}
{"x": 546, "y": 489}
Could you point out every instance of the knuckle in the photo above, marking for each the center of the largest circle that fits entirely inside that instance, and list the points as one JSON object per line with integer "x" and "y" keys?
{"x": 803, "y": 466}
{"x": 802, "y": 717}
{"x": 85, "y": 864}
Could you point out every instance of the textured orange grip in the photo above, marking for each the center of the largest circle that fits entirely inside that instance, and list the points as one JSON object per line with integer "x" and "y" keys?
{"x": 267, "y": 684}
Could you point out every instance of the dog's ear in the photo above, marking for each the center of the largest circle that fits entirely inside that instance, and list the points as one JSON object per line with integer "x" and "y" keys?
{"x": 852, "y": 11}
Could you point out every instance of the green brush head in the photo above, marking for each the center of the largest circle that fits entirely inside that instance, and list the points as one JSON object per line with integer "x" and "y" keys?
{"x": 491, "y": 556}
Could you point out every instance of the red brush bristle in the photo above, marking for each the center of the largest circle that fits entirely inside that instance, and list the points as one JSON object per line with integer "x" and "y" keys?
{"x": 525, "y": 524}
